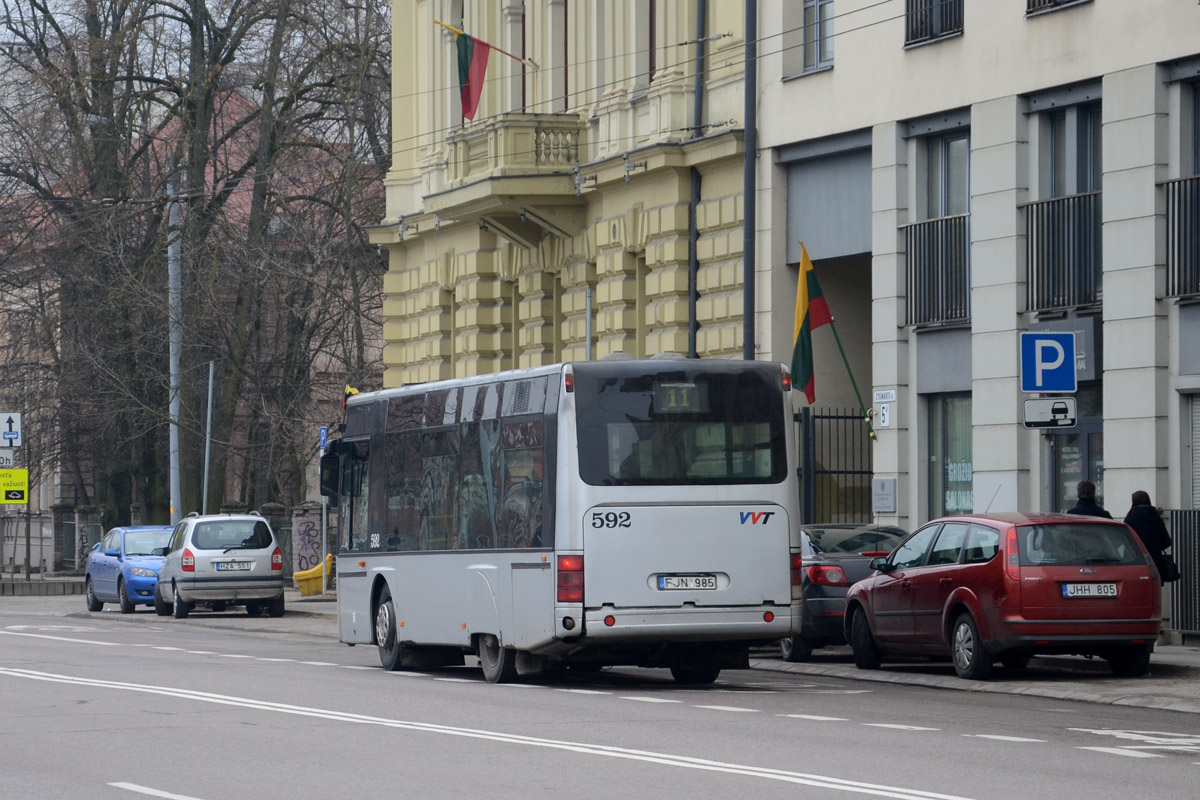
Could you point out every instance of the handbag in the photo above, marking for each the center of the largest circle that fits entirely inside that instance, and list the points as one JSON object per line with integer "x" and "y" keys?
{"x": 1170, "y": 572}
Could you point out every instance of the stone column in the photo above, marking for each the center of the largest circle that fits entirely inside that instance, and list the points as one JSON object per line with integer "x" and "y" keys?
{"x": 1136, "y": 353}
{"x": 1003, "y": 453}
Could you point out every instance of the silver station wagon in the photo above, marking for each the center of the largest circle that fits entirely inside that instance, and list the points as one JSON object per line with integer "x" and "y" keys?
{"x": 221, "y": 560}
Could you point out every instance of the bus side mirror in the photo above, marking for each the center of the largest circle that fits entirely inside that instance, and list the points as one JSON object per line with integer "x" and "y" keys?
{"x": 331, "y": 466}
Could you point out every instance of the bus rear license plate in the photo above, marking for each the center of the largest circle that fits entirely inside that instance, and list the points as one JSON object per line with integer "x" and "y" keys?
{"x": 687, "y": 581}
{"x": 1089, "y": 590}
{"x": 233, "y": 566}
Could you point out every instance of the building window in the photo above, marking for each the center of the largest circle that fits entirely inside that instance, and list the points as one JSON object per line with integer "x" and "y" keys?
{"x": 1038, "y": 6}
{"x": 951, "y": 470}
{"x": 927, "y": 20}
{"x": 1183, "y": 205}
{"x": 818, "y": 34}
{"x": 938, "y": 249}
{"x": 1064, "y": 259}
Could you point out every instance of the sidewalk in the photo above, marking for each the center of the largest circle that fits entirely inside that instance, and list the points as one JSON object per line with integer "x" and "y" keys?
{"x": 1172, "y": 684}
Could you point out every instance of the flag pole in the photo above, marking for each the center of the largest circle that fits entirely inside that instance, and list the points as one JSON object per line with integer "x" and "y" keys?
{"x": 526, "y": 61}
{"x": 862, "y": 408}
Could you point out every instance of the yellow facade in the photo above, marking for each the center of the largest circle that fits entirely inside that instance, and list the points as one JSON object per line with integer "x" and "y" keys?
{"x": 556, "y": 224}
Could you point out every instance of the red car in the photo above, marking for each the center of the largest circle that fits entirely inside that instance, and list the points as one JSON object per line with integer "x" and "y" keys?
{"x": 1004, "y": 587}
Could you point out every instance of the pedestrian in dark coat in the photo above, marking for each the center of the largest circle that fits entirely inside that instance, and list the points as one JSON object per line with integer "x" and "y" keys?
{"x": 1085, "y": 493}
{"x": 1148, "y": 524}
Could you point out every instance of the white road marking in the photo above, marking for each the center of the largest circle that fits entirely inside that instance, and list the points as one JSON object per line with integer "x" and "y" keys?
{"x": 729, "y": 708}
{"x": 133, "y": 787}
{"x": 234, "y": 655}
{"x": 651, "y": 699}
{"x": 164, "y": 647}
{"x": 456, "y": 680}
{"x": 999, "y": 738}
{"x": 1120, "y": 751}
{"x": 814, "y": 717}
{"x": 319, "y": 663}
{"x": 895, "y": 727}
{"x": 583, "y": 691}
{"x": 201, "y": 652}
{"x": 356, "y": 666}
{"x": 61, "y": 638}
{"x": 280, "y": 660}
{"x": 176, "y": 694}
{"x": 522, "y": 686}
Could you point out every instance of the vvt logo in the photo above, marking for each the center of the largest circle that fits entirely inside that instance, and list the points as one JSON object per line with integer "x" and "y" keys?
{"x": 756, "y": 517}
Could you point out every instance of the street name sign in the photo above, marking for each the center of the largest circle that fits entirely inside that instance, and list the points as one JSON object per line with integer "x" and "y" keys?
{"x": 14, "y": 486}
{"x": 1050, "y": 412}
{"x": 1048, "y": 362}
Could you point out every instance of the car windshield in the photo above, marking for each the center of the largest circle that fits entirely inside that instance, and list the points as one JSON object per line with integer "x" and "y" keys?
{"x": 232, "y": 535}
{"x": 144, "y": 543}
{"x": 1077, "y": 545}
{"x": 855, "y": 540}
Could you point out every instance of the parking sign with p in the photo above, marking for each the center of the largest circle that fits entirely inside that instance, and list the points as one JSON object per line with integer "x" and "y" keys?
{"x": 1048, "y": 362}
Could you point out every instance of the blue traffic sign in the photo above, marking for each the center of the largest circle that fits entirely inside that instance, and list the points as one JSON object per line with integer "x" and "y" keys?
{"x": 1048, "y": 362}
{"x": 324, "y": 436}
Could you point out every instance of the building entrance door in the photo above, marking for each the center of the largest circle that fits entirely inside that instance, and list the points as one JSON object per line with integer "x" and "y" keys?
{"x": 1078, "y": 455}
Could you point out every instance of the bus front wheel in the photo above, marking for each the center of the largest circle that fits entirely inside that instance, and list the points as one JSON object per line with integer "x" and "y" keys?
{"x": 391, "y": 652}
{"x": 499, "y": 665}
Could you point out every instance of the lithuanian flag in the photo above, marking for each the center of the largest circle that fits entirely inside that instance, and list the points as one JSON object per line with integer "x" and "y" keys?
{"x": 811, "y": 313}
{"x": 472, "y": 64}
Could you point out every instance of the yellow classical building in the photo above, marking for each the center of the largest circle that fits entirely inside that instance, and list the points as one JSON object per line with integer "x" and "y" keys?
{"x": 594, "y": 203}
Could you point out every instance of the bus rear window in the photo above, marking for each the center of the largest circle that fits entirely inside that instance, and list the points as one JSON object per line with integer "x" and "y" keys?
{"x": 692, "y": 423}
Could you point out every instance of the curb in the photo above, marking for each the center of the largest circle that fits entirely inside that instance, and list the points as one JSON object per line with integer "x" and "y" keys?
{"x": 1120, "y": 696}
{"x": 39, "y": 588}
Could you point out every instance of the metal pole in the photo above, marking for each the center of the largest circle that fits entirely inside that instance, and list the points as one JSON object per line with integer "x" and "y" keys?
{"x": 207, "y": 439}
{"x": 175, "y": 312}
{"x": 324, "y": 541}
{"x": 588, "y": 326}
{"x": 748, "y": 183}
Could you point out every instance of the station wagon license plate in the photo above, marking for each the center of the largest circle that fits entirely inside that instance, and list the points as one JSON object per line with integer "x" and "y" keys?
{"x": 1089, "y": 590}
{"x": 687, "y": 581}
{"x": 233, "y": 566}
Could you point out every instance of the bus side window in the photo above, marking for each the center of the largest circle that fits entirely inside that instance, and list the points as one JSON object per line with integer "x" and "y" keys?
{"x": 404, "y": 470}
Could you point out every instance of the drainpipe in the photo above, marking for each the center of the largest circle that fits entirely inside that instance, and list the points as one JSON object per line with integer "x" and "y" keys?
{"x": 694, "y": 202}
{"x": 748, "y": 198}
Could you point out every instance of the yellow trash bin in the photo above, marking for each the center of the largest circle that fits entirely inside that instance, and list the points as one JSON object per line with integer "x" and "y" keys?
{"x": 308, "y": 581}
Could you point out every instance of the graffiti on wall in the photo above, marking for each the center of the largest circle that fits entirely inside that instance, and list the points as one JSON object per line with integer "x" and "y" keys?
{"x": 307, "y": 551}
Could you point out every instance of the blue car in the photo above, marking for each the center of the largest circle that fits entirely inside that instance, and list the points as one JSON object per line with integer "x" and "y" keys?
{"x": 123, "y": 567}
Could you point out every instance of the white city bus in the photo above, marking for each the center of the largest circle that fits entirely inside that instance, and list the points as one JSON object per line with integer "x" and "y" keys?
{"x": 611, "y": 512}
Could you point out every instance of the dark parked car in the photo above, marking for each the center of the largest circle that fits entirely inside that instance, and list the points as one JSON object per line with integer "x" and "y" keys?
{"x": 1005, "y": 587}
{"x": 835, "y": 555}
{"x": 123, "y": 568}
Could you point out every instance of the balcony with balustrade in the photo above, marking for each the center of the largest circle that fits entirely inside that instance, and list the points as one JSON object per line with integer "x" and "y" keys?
{"x": 1063, "y": 252}
{"x": 1183, "y": 236}
{"x": 938, "y": 270}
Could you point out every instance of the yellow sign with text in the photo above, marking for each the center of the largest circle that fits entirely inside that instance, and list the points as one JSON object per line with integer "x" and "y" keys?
{"x": 14, "y": 486}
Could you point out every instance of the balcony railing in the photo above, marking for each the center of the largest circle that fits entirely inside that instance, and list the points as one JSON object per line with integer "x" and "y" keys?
{"x": 1063, "y": 256}
{"x": 515, "y": 144}
{"x": 939, "y": 273}
{"x": 932, "y": 19}
{"x": 1183, "y": 236}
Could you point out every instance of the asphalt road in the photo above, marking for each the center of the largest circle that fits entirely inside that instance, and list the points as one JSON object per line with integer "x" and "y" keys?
{"x": 227, "y": 707}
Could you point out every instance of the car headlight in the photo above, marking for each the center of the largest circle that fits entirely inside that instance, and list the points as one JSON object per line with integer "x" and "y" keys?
{"x": 142, "y": 572}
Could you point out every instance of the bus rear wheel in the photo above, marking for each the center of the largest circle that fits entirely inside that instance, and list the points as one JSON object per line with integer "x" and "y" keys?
{"x": 499, "y": 665}
{"x": 391, "y": 652}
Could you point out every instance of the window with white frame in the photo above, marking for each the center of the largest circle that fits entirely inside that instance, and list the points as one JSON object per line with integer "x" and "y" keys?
{"x": 937, "y": 248}
{"x": 1074, "y": 153}
{"x": 947, "y": 187}
{"x": 951, "y": 465}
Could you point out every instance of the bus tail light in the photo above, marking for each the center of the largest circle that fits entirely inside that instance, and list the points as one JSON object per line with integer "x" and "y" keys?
{"x": 787, "y": 381}
{"x": 797, "y": 569}
{"x": 570, "y": 579}
{"x": 187, "y": 562}
{"x": 1013, "y": 558}
{"x": 568, "y": 381}
{"x": 277, "y": 559}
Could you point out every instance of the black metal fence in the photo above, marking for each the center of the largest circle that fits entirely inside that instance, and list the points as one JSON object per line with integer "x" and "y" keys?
{"x": 835, "y": 466}
{"x": 1183, "y": 236}
{"x": 1185, "y": 592}
{"x": 932, "y": 19}
{"x": 1032, "y": 6}
{"x": 1063, "y": 251}
{"x": 938, "y": 256}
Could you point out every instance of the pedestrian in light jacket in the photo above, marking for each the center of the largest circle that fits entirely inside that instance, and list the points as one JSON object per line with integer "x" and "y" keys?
{"x": 1085, "y": 492}
{"x": 1148, "y": 524}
